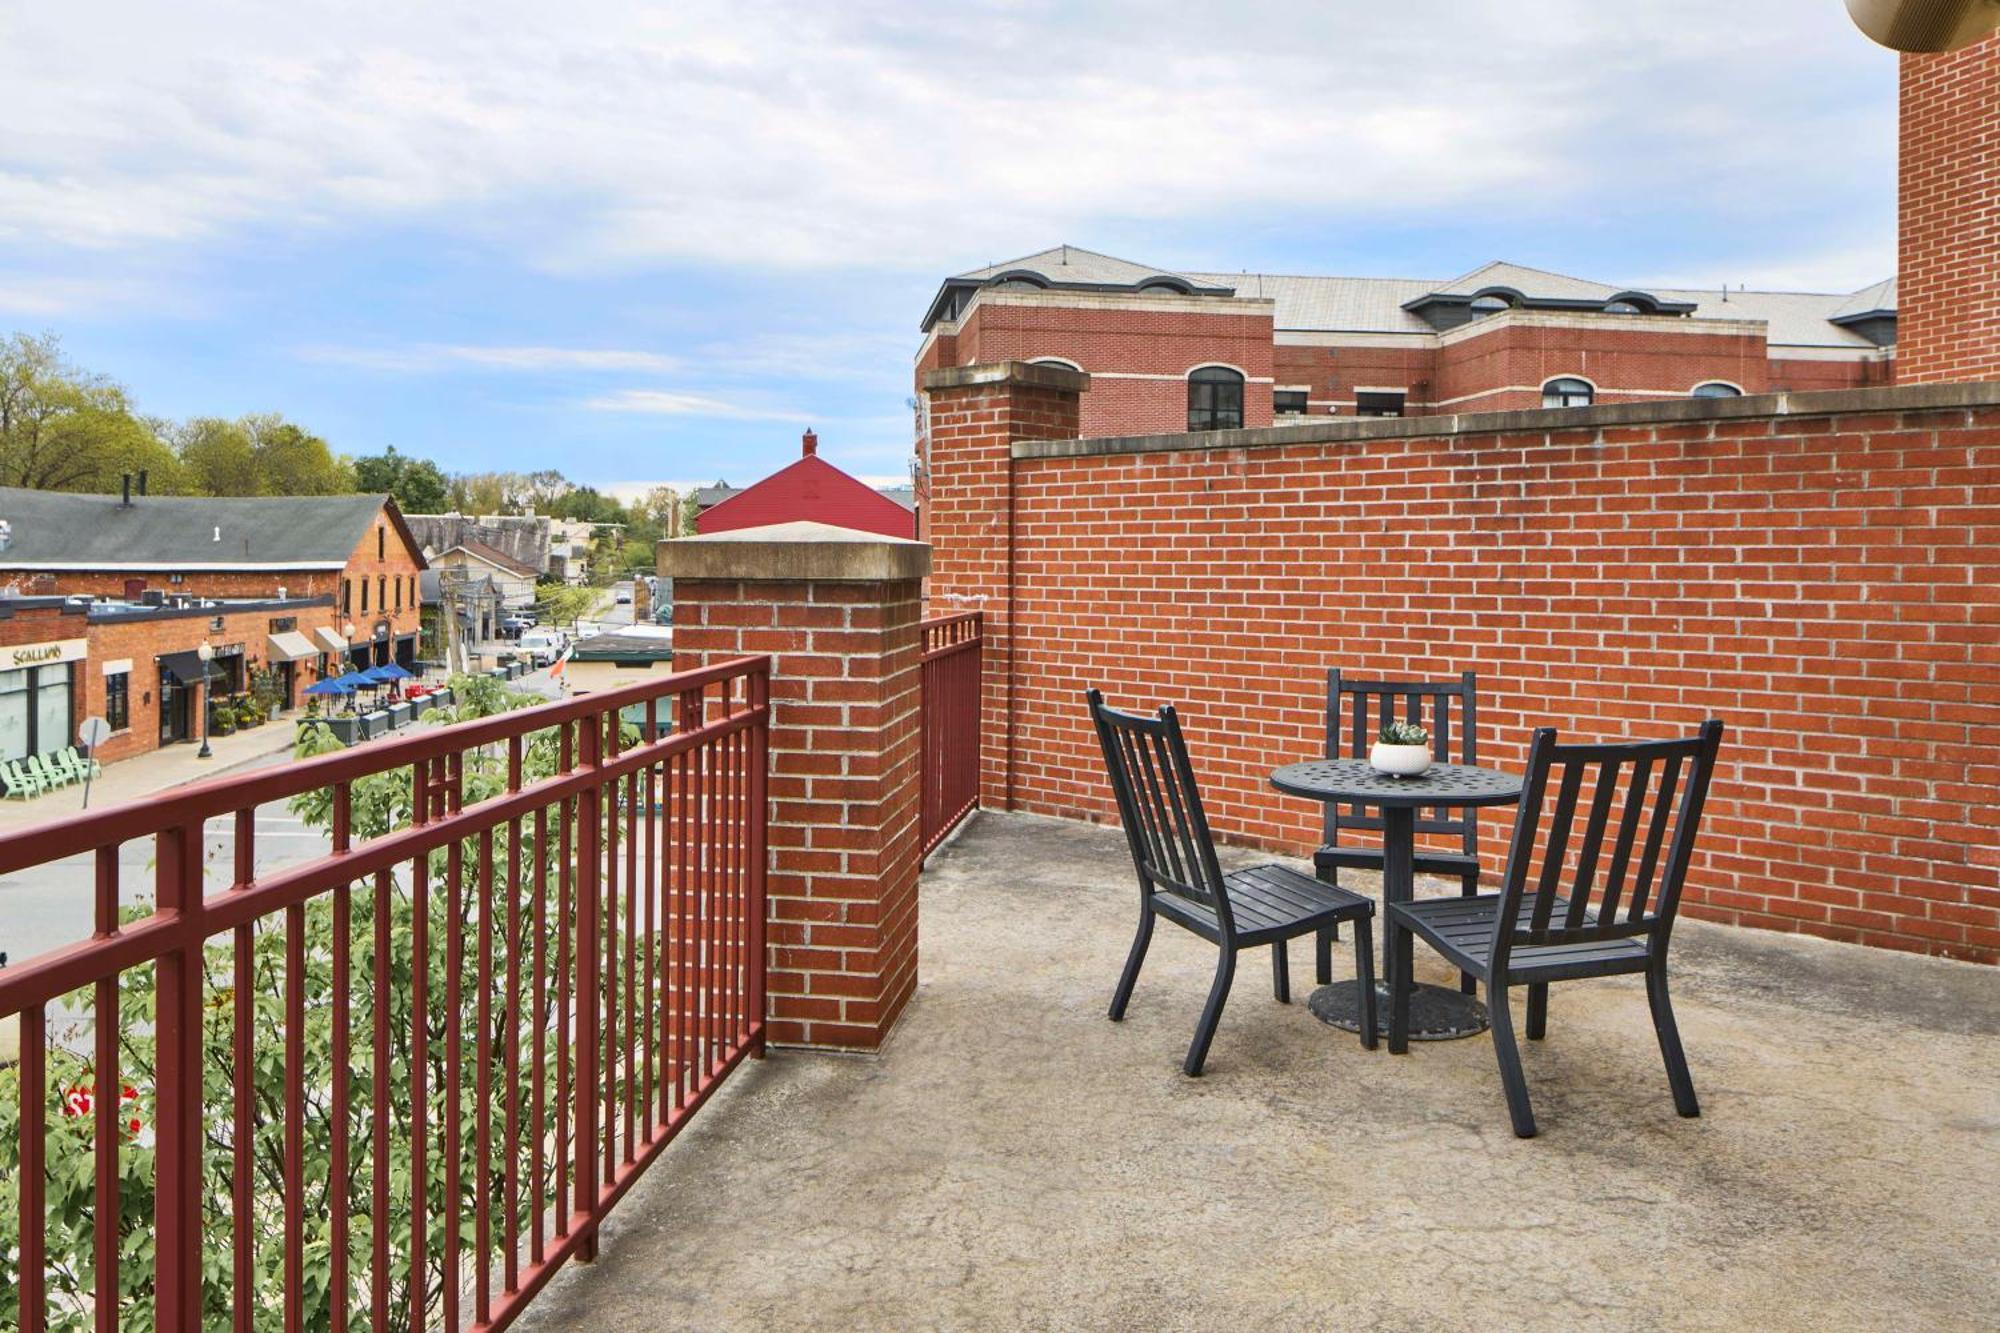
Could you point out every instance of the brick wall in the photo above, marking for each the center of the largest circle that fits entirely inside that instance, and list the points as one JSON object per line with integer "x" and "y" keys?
{"x": 1500, "y": 363}
{"x": 1824, "y": 574}
{"x": 140, "y": 640}
{"x": 1948, "y": 182}
{"x": 844, "y": 789}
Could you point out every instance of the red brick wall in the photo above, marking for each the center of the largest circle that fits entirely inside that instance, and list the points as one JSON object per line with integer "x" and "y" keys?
{"x": 844, "y": 788}
{"x": 1501, "y": 363}
{"x": 1826, "y": 582}
{"x": 1948, "y": 181}
{"x": 1139, "y": 354}
{"x": 1334, "y": 373}
{"x": 140, "y": 641}
{"x": 1797, "y": 374}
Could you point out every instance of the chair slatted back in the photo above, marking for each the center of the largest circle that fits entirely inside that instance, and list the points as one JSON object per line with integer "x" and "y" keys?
{"x": 1620, "y": 874}
{"x": 1357, "y": 710}
{"x": 1147, "y": 761}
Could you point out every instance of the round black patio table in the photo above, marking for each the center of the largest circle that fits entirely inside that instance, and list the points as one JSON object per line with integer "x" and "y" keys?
{"x": 1436, "y": 1013}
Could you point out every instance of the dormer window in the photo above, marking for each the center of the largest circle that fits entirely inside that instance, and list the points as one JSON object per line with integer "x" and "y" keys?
{"x": 1621, "y": 308}
{"x": 1489, "y": 304}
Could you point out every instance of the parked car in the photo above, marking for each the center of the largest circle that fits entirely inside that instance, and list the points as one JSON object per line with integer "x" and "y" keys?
{"x": 542, "y": 646}
{"x": 623, "y": 597}
{"x": 514, "y": 626}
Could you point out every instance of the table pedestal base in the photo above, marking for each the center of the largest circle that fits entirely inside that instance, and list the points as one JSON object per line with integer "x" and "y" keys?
{"x": 1437, "y": 1013}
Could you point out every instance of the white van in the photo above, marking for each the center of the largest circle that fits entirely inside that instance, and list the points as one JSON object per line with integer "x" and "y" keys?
{"x": 542, "y": 646}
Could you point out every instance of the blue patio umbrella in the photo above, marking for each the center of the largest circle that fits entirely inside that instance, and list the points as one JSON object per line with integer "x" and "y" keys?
{"x": 334, "y": 686}
{"x": 390, "y": 671}
{"x": 356, "y": 680}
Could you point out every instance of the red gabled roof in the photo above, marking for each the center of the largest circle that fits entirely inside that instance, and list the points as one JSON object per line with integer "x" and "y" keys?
{"x": 815, "y": 490}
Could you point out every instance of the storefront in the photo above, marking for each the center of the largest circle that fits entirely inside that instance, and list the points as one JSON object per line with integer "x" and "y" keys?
{"x": 37, "y": 696}
{"x": 292, "y": 655}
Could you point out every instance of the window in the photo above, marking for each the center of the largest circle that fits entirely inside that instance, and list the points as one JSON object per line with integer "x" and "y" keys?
{"x": 118, "y": 700}
{"x": 346, "y": 596}
{"x": 1378, "y": 404}
{"x": 1488, "y": 305}
{"x": 399, "y": 592}
{"x": 1568, "y": 391}
{"x": 381, "y": 592}
{"x": 364, "y": 597}
{"x": 381, "y": 543}
{"x": 1215, "y": 399}
{"x": 1717, "y": 389}
{"x": 1621, "y": 308}
{"x": 1288, "y": 402}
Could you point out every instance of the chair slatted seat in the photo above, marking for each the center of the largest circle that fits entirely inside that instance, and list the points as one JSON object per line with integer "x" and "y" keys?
{"x": 1180, "y": 878}
{"x": 1358, "y": 709}
{"x": 1585, "y": 914}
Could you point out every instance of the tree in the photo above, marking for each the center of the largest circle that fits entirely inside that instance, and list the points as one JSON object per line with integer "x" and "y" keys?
{"x": 220, "y": 456}
{"x": 63, "y": 428}
{"x": 589, "y": 505}
{"x": 418, "y": 485}
{"x": 543, "y": 489}
{"x": 291, "y": 461}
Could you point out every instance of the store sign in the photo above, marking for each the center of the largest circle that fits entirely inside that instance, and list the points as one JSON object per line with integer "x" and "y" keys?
{"x": 41, "y": 654}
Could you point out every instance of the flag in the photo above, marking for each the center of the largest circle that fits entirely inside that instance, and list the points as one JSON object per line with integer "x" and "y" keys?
{"x": 562, "y": 660}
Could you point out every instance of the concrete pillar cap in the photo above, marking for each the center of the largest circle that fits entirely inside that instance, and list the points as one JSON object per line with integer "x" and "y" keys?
{"x": 794, "y": 552}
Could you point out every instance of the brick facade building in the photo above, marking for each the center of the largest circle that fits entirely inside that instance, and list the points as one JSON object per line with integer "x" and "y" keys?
{"x": 138, "y": 666}
{"x": 354, "y": 549}
{"x": 1949, "y": 214}
{"x": 1172, "y": 351}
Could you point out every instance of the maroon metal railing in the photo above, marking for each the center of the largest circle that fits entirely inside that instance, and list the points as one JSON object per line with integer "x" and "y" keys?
{"x": 951, "y": 684}
{"x": 400, "y": 1082}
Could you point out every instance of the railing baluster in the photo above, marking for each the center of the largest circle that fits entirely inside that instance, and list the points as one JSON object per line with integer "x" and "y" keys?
{"x": 454, "y": 1038}
{"x": 482, "y": 1096}
{"x": 589, "y": 824}
{"x": 537, "y": 1168}
{"x": 32, "y": 1077}
{"x": 378, "y": 1112}
{"x": 177, "y": 1194}
{"x": 420, "y": 971}
{"x": 511, "y": 1149}
{"x": 338, "y": 1076}
{"x": 109, "y": 1102}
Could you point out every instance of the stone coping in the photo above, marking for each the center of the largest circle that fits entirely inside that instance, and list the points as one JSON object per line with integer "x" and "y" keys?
{"x": 793, "y": 553}
{"x": 1672, "y": 411}
{"x": 1029, "y": 373}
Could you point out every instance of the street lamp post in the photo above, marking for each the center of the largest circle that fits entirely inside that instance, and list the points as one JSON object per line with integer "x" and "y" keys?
{"x": 207, "y": 654}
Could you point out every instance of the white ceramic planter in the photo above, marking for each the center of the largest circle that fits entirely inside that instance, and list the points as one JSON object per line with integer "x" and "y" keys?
{"x": 1403, "y": 761}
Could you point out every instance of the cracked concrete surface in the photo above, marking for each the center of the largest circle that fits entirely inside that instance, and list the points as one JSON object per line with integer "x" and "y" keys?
{"x": 1014, "y": 1159}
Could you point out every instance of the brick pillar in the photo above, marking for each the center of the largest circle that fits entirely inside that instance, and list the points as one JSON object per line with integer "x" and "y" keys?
{"x": 837, "y": 610}
{"x": 975, "y": 415}
{"x": 1948, "y": 196}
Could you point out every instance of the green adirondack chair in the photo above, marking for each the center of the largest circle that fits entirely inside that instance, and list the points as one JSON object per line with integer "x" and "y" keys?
{"x": 21, "y": 784}
{"x": 66, "y": 762}
{"x": 50, "y": 774}
{"x": 85, "y": 765}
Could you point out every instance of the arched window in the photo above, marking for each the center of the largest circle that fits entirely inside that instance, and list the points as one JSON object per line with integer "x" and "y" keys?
{"x": 1057, "y": 361}
{"x": 1717, "y": 389}
{"x": 1621, "y": 308}
{"x": 1568, "y": 391}
{"x": 1215, "y": 399}
{"x": 1488, "y": 305}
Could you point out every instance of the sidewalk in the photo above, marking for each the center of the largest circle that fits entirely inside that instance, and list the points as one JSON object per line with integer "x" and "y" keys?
{"x": 149, "y": 774}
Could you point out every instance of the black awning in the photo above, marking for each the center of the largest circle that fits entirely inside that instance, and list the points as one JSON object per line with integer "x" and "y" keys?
{"x": 187, "y": 667}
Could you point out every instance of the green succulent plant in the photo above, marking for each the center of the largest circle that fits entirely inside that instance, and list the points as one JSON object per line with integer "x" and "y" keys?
{"x": 1403, "y": 733}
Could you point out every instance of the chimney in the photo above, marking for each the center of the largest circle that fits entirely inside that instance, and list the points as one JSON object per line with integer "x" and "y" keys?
{"x": 125, "y": 481}
{"x": 811, "y": 444}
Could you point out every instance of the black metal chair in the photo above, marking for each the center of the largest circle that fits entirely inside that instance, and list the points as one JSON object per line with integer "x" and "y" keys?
{"x": 1570, "y": 925}
{"x": 1364, "y": 707}
{"x": 1180, "y": 879}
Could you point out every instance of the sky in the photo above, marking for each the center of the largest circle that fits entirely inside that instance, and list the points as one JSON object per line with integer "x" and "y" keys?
{"x": 641, "y": 242}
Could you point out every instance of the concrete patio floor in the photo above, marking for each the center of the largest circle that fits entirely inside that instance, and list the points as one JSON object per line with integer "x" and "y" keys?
{"x": 1014, "y": 1160}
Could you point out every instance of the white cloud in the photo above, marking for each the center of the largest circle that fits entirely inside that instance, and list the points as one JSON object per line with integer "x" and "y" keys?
{"x": 430, "y": 357}
{"x": 603, "y": 135}
{"x": 662, "y": 402}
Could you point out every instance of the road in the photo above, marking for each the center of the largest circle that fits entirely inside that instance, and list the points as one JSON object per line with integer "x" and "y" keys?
{"x": 52, "y": 905}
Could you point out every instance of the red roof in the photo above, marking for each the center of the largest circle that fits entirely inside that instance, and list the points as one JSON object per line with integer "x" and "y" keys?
{"x": 815, "y": 490}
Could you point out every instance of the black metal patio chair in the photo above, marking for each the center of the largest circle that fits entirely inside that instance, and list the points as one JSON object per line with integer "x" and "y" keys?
{"x": 1571, "y": 924}
{"x": 1180, "y": 879}
{"x": 1361, "y": 708}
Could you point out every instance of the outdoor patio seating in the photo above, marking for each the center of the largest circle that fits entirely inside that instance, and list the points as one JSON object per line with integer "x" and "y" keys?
{"x": 1571, "y": 925}
{"x": 22, "y": 782}
{"x": 1179, "y": 878}
{"x": 1364, "y": 706}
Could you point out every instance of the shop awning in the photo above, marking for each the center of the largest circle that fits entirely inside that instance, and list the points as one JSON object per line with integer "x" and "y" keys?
{"x": 330, "y": 640}
{"x": 187, "y": 667}
{"x": 290, "y": 646}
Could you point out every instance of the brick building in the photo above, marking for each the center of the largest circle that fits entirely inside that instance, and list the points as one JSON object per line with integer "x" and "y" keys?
{"x": 355, "y": 549}
{"x": 1949, "y": 214}
{"x": 1172, "y": 351}
{"x": 139, "y": 667}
